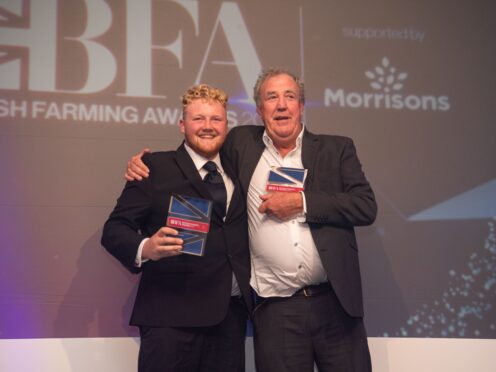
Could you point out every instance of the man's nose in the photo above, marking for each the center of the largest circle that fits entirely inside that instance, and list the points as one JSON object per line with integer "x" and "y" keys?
{"x": 281, "y": 104}
{"x": 207, "y": 124}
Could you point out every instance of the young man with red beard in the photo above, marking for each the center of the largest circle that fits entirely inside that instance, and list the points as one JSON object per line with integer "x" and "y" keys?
{"x": 191, "y": 310}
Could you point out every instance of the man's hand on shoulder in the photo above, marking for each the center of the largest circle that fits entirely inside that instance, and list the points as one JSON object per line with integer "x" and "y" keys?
{"x": 282, "y": 205}
{"x": 137, "y": 170}
{"x": 162, "y": 244}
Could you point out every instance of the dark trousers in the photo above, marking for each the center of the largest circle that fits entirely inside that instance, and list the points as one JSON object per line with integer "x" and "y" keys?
{"x": 219, "y": 348}
{"x": 291, "y": 334}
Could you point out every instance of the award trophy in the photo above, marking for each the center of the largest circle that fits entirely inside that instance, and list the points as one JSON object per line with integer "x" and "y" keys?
{"x": 286, "y": 179}
{"x": 191, "y": 217}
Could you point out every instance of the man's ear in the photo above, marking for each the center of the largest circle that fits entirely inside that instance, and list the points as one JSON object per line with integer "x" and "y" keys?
{"x": 181, "y": 126}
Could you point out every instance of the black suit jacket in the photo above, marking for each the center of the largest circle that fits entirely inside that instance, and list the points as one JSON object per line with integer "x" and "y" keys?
{"x": 184, "y": 290}
{"x": 338, "y": 197}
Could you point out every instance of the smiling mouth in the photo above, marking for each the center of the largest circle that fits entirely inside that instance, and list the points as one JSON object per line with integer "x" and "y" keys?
{"x": 207, "y": 136}
{"x": 280, "y": 118}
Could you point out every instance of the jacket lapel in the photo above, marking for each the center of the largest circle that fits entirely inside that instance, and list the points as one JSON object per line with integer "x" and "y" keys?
{"x": 189, "y": 170}
{"x": 237, "y": 197}
{"x": 249, "y": 159}
{"x": 309, "y": 154}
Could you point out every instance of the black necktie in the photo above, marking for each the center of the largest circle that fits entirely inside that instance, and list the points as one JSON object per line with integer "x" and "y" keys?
{"x": 215, "y": 184}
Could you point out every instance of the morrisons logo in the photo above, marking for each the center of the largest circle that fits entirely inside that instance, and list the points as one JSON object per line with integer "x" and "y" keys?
{"x": 386, "y": 83}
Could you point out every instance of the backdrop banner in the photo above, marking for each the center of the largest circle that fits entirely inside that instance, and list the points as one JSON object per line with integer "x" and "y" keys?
{"x": 85, "y": 84}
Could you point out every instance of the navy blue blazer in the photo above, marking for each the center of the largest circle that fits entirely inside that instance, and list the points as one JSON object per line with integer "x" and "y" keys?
{"x": 183, "y": 290}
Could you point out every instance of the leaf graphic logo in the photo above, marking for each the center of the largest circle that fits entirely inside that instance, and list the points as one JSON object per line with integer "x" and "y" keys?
{"x": 385, "y": 78}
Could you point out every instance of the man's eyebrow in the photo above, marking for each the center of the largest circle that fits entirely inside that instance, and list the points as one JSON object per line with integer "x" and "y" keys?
{"x": 286, "y": 91}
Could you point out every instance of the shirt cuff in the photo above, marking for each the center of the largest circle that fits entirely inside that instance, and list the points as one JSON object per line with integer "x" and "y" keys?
{"x": 138, "y": 261}
{"x": 302, "y": 217}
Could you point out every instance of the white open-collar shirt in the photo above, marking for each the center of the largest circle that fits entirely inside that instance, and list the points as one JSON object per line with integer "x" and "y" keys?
{"x": 284, "y": 257}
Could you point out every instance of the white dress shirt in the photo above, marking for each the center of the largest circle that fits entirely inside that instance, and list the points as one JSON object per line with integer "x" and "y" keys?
{"x": 199, "y": 161}
{"x": 284, "y": 257}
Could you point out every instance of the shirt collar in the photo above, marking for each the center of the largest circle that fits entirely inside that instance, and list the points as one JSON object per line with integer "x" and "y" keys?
{"x": 269, "y": 143}
{"x": 200, "y": 160}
